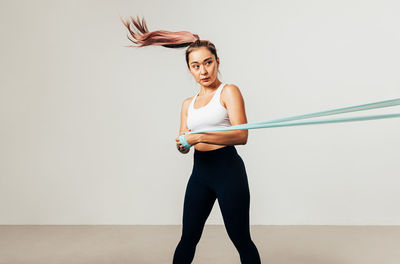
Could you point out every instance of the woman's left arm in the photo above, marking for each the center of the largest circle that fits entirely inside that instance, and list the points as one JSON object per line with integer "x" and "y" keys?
{"x": 234, "y": 102}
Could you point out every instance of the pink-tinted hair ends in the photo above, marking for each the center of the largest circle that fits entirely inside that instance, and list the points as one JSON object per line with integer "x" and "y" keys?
{"x": 144, "y": 37}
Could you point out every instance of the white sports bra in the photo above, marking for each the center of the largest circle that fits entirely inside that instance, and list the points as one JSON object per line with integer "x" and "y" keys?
{"x": 211, "y": 116}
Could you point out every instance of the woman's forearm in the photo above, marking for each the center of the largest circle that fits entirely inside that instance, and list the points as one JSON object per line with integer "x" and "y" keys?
{"x": 235, "y": 137}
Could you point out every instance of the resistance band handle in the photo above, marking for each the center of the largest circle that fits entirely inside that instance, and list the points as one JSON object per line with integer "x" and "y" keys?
{"x": 183, "y": 141}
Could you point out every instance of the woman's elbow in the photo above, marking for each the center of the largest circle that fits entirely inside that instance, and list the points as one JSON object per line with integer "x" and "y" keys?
{"x": 245, "y": 135}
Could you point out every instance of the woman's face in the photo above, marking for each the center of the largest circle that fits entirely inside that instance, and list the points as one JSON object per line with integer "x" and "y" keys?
{"x": 203, "y": 66}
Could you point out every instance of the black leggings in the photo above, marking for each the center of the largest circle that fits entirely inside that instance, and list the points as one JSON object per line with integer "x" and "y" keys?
{"x": 221, "y": 174}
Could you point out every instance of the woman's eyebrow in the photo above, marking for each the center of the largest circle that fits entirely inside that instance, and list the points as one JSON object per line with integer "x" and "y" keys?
{"x": 204, "y": 60}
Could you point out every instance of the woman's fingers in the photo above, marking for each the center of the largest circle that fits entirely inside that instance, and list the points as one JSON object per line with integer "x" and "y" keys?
{"x": 182, "y": 149}
{"x": 179, "y": 146}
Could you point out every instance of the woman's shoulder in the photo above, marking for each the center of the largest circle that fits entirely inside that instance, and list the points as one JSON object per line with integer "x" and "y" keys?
{"x": 230, "y": 87}
{"x": 186, "y": 103}
{"x": 187, "y": 100}
{"x": 230, "y": 90}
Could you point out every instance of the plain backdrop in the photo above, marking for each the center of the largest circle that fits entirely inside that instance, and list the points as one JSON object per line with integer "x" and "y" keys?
{"x": 88, "y": 125}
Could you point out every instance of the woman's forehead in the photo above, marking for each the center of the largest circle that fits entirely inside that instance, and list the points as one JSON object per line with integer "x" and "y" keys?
{"x": 200, "y": 54}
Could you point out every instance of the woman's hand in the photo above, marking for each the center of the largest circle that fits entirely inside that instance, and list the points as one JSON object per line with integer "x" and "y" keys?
{"x": 191, "y": 140}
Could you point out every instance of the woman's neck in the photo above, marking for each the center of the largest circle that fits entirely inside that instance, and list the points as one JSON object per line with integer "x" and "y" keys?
{"x": 204, "y": 90}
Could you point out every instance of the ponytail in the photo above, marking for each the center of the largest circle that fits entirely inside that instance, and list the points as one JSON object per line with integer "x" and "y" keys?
{"x": 165, "y": 38}
{"x": 168, "y": 39}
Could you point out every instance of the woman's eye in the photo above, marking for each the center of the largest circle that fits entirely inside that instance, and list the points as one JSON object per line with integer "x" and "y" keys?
{"x": 197, "y": 66}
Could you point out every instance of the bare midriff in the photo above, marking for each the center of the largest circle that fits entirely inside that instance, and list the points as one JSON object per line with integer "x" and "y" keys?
{"x": 207, "y": 146}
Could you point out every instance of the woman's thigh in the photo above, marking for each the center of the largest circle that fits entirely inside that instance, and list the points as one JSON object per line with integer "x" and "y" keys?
{"x": 233, "y": 196}
{"x": 198, "y": 203}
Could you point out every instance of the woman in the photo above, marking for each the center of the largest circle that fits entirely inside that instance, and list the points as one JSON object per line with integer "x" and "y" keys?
{"x": 218, "y": 170}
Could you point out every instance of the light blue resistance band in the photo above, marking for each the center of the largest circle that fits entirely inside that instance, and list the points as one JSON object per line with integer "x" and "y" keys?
{"x": 271, "y": 123}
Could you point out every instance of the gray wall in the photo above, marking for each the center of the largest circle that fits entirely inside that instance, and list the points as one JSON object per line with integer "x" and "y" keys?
{"x": 88, "y": 126}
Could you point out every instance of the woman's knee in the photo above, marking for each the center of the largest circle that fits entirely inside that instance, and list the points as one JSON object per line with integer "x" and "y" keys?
{"x": 241, "y": 241}
{"x": 191, "y": 238}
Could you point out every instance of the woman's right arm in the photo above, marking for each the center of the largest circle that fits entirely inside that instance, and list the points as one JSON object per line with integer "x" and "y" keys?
{"x": 183, "y": 127}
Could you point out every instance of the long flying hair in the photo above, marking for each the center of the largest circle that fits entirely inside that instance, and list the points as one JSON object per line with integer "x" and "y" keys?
{"x": 142, "y": 37}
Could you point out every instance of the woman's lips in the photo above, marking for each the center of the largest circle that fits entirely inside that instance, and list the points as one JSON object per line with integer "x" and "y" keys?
{"x": 205, "y": 79}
